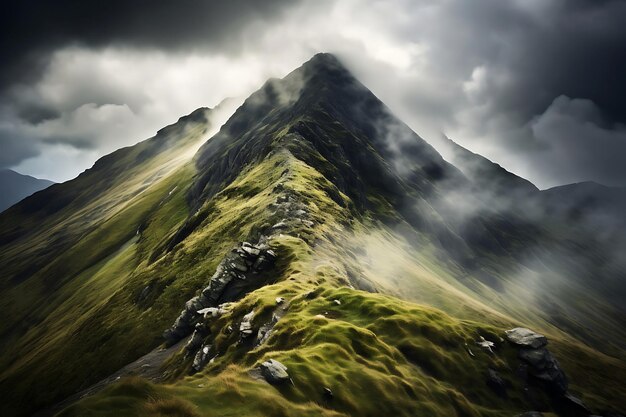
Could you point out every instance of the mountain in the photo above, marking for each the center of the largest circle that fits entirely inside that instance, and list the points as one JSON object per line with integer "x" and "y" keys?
{"x": 314, "y": 256}
{"x": 15, "y": 186}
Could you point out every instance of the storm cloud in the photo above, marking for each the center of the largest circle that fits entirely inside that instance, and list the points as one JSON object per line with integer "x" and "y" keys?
{"x": 536, "y": 85}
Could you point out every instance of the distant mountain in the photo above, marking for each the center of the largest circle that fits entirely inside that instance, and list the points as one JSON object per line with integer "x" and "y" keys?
{"x": 15, "y": 186}
{"x": 314, "y": 256}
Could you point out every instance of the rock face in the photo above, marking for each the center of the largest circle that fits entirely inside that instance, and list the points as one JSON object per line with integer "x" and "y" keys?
{"x": 274, "y": 372}
{"x": 540, "y": 363}
{"x": 539, "y": 366}
{"x": 526, "y": 338}
{"x": 243, "y": 263}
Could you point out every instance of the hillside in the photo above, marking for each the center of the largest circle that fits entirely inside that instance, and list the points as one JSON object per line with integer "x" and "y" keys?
{"x": 15, "y": 186}
{"x": 314, "y": 229}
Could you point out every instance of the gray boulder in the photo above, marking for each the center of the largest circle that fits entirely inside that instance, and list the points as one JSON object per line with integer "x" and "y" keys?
{"x": 522, "y": 336}
{"x": 274, "y": 372}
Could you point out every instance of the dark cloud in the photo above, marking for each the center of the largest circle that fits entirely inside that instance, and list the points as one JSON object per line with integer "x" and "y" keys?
{"x": 508, "y": 79}
{"x": 32, "y": 29}
{"x": 15, "y": 148}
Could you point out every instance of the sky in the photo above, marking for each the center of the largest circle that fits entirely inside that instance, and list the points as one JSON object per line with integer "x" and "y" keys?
{"x": 537, "y": 86}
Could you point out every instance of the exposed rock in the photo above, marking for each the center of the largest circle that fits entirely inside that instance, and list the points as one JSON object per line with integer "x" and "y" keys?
{"x": 328, "y": 394}
{"x": 526, "y": 337}
{"x": 496, "y": 383}
{"x": 239, "y": 266}
{"x": 233, "y": 266}
{"x": 245, "y": 328}
{"x": 274, "y": 372}
{"x": 201, "y": 358}
{"x": 338, "y": 302}
{"x": 265, "y": 330}
{"x": 198, "y": 336}
{"x": 552, "y": 375}
{"x": 537, "y": 358}
{"x": 210, "y": 312}
{"x": 251, "y": 251}
{"x": 539, "y": 362}
{"x": 279, "y": 300}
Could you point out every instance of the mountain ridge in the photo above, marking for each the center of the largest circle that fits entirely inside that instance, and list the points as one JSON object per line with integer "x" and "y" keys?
{"x": 303, "y": 170}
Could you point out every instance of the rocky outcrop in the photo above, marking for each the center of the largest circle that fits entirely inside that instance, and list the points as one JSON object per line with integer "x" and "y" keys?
{"x": 539, "y": 367}
{"x": 243, "y": 263}
{"x": 537, "y": 360}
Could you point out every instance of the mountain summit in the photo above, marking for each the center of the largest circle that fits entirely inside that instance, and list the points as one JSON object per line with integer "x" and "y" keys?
{"x": 314, "y": 256}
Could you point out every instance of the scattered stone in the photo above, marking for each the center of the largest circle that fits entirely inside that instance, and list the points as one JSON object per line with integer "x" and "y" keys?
{"x": 279, "y": 300}
{"x": 526, "y": 337}
{"x": 338, "y": 302}
{"x": 469, "y": 351}
{"x": 485, "y": 344}
{"x": 328, "y": 394}
{"x": 319, "y": 316}
{"x": 274, "y": 372}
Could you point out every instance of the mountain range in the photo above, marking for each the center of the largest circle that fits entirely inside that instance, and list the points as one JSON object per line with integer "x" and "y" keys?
{"x": 15, "y": 186}
{"x": 310, "y": 255}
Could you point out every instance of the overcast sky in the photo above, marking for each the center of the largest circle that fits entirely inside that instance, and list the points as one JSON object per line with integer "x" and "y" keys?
{"x": 535, "y": 85}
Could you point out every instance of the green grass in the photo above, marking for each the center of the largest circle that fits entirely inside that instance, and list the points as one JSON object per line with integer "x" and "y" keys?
{"x": 111, "y": 293}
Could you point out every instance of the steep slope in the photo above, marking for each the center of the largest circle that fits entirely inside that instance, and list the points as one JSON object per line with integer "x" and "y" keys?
{"x": 15, "y": 186}
{"x": 309, "y": 194}
{"x": 66, "y": 251}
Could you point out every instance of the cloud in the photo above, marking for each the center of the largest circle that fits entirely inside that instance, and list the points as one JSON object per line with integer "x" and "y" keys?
{"x": 481, "y": 72}
{"x": 580, "y": 145}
